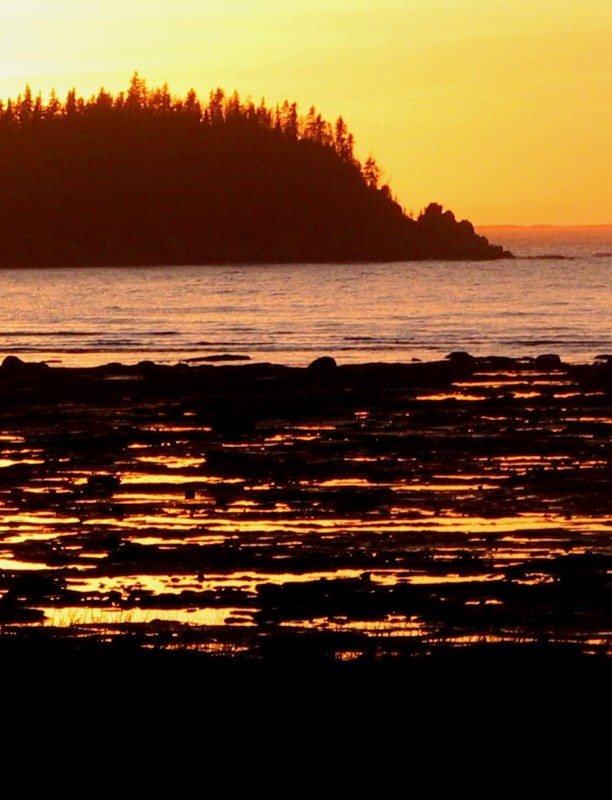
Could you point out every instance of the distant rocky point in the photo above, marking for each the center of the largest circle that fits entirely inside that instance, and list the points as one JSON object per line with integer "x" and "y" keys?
{"x": 145, "y": 178}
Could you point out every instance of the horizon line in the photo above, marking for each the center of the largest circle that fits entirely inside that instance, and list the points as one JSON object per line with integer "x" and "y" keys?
{"x": 542, "y": 225}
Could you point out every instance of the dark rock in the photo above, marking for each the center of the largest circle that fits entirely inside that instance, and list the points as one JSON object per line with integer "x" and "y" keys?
{"x": 13, "y": 613}
{"x": 439, "y": 235}
{"x": 13, "y": 363}
{"x": 146, "y": 367}
{"x": 548, "y": 360}
{"x": 34, "y": 587}
{"x": 102, "y": 485}
{"x": 460, "y": 357}
{"x": 233, "y": 422}
{"x": 323, "y": 365}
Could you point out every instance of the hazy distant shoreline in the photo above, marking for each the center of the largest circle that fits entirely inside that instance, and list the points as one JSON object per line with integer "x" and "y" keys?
{"x": 511, "y": 226}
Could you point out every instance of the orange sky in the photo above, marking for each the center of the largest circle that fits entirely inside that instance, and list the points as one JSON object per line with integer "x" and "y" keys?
{"x": 500, "y": 111}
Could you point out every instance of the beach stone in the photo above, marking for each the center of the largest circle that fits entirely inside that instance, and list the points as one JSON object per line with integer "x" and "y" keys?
{"x": 323, "y": 365}
{"x": 460, "y": 357}
{"x": 146, "y": 367}
{"x": 112, "y": 368}
{"x": 13, "y": 363}
{"x": 549, "y": 360}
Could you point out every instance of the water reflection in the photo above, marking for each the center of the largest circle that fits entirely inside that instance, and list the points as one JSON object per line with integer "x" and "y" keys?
{"x": 427, "y": 521}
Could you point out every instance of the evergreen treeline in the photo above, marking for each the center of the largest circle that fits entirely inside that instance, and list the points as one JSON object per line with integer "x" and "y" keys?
{"x": 147, "y": 178}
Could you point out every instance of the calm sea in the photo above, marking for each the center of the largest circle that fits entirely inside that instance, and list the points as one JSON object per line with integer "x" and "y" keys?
{"x": 292, "y": 314}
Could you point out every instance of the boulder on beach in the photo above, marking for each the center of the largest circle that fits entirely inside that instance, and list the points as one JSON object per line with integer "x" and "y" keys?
{"x": 460, "y": 357}
{"x": 548, "y": 361}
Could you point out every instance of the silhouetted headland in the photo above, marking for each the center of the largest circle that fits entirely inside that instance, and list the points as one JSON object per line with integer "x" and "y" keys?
{"x": 145, "y": 178}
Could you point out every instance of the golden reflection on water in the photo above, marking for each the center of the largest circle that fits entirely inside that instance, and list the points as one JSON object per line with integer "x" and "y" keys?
{"x": 9, "y": 522}
{"x": 320, "y": 427}
{"x": 288, "y": 439}
{"x": 452, "y": 524}
{"x": 166, "y": 428}
{"x": 451, "y": 578}
{"x": 11, "y": 462}
{"x": 396, "y": 624}
{"x": 146, "y": 498}
{"x": 452, "y": 396}
{"x": 489, "y": 638}
{"x": 511, "y": 383}
{"x": 169, "y": 520}
{"x": 175, "y": 584}
{"x": 458, "y": 524}
{"x": 71, "y": 616}
{"x": 243, "y": 514}
{"x": 15, "y": 564}
{"x": 445, "y": 487}
{"x": 31, "y": 534}
{"x": 137, "y": 478}
{"x": 342, "y": 482}
{"x": 172, "y": 462}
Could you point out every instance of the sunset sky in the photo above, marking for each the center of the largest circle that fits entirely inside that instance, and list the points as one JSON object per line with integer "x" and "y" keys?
{"x": 499, "y": 111}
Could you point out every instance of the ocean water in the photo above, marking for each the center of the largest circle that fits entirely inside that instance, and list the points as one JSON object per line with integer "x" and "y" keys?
{"x": 357, "y": 313}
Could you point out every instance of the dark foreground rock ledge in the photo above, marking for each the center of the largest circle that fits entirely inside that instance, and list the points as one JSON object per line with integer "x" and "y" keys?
{"x": 339, "y": 518}
{"x": 267, "y": 379}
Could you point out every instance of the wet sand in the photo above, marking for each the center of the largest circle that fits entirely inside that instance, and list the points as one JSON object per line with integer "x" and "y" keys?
{"x": 348, "y": 518}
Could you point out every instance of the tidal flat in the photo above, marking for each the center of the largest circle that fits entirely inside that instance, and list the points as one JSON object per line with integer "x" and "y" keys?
{"x": 344, "y": 516}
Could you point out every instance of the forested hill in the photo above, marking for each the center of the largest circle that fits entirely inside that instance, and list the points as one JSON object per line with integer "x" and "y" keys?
{"x": 146, "y": 178}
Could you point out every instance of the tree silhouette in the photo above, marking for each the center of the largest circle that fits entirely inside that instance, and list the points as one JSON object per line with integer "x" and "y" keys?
{"x": 147, "y": 178}
{"x": 371, "y": 172}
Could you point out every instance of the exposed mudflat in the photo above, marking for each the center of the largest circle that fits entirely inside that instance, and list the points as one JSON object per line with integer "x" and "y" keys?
{"x": 353, "y": 514}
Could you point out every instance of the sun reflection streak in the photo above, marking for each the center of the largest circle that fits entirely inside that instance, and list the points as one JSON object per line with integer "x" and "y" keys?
{"x": 70, "y": 617}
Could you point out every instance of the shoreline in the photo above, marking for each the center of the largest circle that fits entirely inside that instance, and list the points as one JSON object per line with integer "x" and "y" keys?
{"x": 347, "y": 517}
